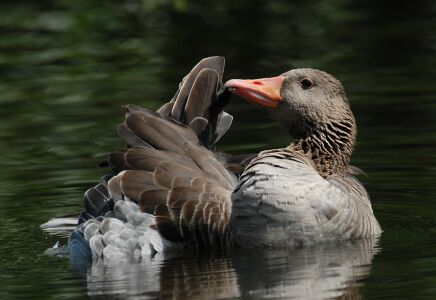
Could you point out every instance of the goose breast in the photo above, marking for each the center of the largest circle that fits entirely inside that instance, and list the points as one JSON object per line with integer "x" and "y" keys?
{"x": 283, "y": 202}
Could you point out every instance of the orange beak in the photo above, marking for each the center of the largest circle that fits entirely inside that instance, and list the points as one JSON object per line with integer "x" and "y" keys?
{"x": 264, "y": 91}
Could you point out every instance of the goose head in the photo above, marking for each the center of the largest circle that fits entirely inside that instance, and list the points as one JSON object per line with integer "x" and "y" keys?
{"x": 301, "y": 100}
{"x": 310, "y": 104}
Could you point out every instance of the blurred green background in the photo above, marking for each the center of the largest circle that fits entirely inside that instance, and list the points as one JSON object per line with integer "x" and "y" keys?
{"x": 66, "y": 67}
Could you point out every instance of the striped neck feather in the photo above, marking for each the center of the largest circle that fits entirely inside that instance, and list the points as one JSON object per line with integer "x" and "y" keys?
{"x": 329, "y": 146}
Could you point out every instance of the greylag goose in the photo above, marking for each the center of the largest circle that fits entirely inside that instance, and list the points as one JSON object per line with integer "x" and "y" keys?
{"x": 168, "y": 189}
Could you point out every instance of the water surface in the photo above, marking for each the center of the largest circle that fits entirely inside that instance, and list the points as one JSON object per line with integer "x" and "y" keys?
{"x": 66, "y": 67}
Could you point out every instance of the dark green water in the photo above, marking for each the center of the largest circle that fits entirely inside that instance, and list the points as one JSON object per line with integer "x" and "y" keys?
{"x": 66, "y": 67}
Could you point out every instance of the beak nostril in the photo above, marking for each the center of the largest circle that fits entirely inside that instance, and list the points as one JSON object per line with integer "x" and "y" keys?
{"x": 257, "y": 82}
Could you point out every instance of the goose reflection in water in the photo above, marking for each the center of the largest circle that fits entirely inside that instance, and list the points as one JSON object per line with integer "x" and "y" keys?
{"x": 325, "y": 271}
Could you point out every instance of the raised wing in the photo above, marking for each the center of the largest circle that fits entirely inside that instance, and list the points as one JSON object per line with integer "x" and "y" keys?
{"x": 168, "y": 188}
{"x": 175, "y": 178}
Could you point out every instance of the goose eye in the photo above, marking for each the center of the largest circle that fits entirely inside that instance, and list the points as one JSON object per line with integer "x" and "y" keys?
{"x": 306, "y": 83}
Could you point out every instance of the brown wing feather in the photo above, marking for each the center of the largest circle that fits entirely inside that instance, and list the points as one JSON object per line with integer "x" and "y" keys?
{"x": 148, "y": 159}
{"x": 169, "y": 170}
{"x": 116, "y": 161}
{"x": 129, "y": 137}
{"x": 165, "y": 225}
{"x": 149, "y": 199}
{"x": 134, "y": 182}
{"x": 209, "y": 164}
{"x": 202, "y": 95}
{"x": 215, "y": 63}
{"x": 140, "y": 124}
{"x": 181, "y": 181}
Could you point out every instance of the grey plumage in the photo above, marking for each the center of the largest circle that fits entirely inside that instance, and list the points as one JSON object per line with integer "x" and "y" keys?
{"x": 284, "y": 202}
{"x": 171, "y": 190}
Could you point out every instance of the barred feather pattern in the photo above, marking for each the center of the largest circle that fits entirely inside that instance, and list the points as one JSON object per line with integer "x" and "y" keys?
{"x": 328, "y": 149}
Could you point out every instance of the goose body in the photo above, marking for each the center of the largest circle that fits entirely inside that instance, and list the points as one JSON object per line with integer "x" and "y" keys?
{"x": 284, "y": 202}
{"x": 168, "y": 189}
